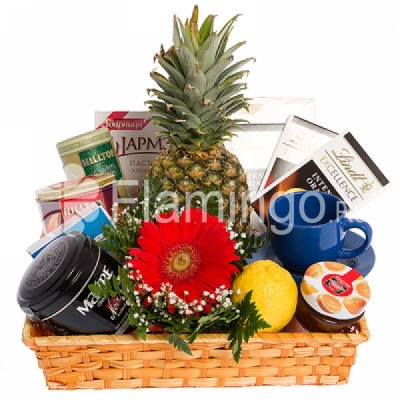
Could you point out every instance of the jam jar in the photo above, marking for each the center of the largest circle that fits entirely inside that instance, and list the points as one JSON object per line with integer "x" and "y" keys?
{"x": 54, "y": 290}
{"x": 332, "y": 298}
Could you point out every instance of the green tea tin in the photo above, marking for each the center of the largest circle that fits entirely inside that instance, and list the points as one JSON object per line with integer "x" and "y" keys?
{"x": 92, "y": 153}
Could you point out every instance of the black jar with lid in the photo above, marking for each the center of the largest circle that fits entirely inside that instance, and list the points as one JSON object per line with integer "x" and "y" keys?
{"x": 54, "y": 288}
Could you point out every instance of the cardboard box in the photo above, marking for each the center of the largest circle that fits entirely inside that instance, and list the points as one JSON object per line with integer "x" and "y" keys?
{"x": 341, "y": 167}
{"x": 255, "y": 142}
{"x": 253, "y": 146}
{"x": 89, "y": 220}
{"x": 136, "y": 143}
{"x": 276, "y": 110}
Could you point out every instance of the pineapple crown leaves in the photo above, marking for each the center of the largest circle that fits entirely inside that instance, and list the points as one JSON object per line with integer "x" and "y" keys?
{"x": 202, "y": 89}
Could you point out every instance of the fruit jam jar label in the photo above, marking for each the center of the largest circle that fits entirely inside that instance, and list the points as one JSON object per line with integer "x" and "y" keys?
{"x": 340, "y": 285}
{"x": 335, "y": 290}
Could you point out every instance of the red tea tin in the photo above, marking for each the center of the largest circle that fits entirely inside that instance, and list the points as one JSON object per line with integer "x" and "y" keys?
{"x": 60, "y": 201}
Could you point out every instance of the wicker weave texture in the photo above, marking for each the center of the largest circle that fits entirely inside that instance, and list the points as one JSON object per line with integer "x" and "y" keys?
{"x": 123, "y": 361}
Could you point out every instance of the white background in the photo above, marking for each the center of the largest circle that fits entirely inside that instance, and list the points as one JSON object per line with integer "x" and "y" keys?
{"x": 61, "y": 61}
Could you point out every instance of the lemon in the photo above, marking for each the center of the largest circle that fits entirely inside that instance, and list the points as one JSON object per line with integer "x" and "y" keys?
{"x": 274, "y": 292}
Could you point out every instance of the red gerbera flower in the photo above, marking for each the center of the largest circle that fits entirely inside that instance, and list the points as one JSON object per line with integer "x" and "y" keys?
{"x": 193, "y": 253}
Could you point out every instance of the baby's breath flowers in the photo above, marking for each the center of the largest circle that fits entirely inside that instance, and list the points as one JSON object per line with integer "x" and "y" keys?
{"x": 177, "y": 272}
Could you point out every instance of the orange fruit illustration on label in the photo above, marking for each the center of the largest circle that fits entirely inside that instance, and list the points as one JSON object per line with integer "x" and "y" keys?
{"x": 329, "y": 303}
{"x": 354, "y": 304}
{"x": 314, "y": 271}
{"x": 334, "y": 266}
{"x": 363, "y": 289}
{"x": 307, "y": 288}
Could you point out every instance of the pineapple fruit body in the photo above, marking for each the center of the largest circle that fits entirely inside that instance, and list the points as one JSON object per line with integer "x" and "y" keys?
{"x": 216, "y": 172}
{"x": 194, "y": 105}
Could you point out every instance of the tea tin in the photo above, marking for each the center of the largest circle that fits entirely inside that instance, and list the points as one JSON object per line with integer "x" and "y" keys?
{"x": 55, "y": 288}
{"x": 60, "y": 201}
{"x": 91, "y": 153}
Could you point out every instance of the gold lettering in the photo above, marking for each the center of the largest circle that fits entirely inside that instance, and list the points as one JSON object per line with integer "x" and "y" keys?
{"x": 345, "y": 158}
{"x": 97, "y": 158}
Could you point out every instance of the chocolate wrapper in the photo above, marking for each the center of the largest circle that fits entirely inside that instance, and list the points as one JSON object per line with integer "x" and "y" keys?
{"x": 341, "y": 167}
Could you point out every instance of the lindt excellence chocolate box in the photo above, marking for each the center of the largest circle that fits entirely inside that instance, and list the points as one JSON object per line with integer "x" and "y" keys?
{"x": 341, "y": 167}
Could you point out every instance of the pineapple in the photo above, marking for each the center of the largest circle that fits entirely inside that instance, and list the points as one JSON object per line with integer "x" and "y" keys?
{"x": 194, "y": 104}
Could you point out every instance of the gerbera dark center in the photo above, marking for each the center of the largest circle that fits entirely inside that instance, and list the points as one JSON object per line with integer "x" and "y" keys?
{"x": 182, "y": 261}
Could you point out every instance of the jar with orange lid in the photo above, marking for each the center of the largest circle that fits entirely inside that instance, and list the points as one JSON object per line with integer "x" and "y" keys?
{"x": 332, "y": 298}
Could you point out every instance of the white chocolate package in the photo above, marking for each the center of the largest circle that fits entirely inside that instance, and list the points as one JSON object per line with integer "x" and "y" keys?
{"x": 298, "y": 140}
{"x": 255, "y": 142}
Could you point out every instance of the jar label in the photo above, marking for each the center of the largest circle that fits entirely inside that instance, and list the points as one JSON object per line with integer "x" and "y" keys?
{"x": 89, "y": 313}
{"x": 340, "y": 285}
{"x": 110, "y": 308}
{"x": 335, "y": 290}
{"x": 103, "y": 311}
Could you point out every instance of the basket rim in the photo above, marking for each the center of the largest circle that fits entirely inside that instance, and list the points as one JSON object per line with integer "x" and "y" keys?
{"x": 318, "y": 338}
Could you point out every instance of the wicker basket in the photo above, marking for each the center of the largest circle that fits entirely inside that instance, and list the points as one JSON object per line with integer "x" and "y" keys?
{"x": 123, "y": 361}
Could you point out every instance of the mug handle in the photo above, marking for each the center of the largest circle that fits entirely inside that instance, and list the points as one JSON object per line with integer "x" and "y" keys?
{"x": 363, "y": 226}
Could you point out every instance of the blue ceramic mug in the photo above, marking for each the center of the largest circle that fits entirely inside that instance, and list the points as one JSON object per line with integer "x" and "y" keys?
{"x": 310, "y": 226}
